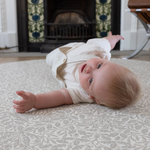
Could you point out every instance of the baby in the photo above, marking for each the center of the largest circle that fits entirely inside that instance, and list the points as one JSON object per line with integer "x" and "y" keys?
{"x": 86, "y": 75}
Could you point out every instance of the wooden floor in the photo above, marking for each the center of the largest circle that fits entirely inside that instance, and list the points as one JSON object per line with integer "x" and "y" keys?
{"x": 14, "y": 57}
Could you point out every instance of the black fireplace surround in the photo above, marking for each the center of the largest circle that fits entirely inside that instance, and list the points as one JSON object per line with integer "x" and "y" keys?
{"x": 64, "y": 21}
{"x": 68, "y": 21}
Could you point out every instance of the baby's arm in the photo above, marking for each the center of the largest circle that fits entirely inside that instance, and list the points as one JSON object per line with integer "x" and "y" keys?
{"x": 113, "y": 39}
{"x": 44, "y": 100}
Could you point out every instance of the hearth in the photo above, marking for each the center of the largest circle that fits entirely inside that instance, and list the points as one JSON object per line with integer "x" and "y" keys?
{"x": 68, "y": 21}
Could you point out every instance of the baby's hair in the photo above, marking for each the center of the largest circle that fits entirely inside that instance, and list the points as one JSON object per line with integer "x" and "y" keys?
{"x": 123, "y": 88}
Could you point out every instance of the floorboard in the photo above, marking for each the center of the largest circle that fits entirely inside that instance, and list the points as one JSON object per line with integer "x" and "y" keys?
{"x": 14, "y": 57}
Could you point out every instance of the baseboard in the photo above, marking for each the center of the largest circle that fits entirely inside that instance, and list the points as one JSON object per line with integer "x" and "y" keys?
{"x": 9, "y": 40}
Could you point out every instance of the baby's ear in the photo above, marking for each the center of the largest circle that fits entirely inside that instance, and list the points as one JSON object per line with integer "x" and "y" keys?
{"x": 92, "y": 97}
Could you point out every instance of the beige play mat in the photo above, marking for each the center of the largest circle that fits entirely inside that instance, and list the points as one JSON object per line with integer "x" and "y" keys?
{"x": 74, "y": 127}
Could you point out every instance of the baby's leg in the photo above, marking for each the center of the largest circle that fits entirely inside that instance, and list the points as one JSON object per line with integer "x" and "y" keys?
{"x": 113, "y": 39}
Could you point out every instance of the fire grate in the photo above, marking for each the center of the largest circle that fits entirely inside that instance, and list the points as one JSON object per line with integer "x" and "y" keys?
{"x": 69, "y": 31}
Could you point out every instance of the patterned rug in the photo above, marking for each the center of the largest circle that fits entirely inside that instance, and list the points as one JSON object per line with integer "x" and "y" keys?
{"x": 73, "y": 127}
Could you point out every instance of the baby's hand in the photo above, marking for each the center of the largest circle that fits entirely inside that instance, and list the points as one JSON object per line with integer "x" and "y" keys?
{"x": 28, "y": 102}
{"x": 113, "y": 39}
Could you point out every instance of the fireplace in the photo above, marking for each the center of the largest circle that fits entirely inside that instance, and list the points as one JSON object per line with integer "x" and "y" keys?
{"x": 44, "y": 25}
{"x": 68, "y": 21}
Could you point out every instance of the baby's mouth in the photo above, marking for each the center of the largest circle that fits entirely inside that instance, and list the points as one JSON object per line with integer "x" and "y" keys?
{"x": 82, "y": 68}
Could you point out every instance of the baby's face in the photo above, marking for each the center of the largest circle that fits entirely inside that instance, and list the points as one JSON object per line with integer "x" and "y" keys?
{"x": 93, "y": 75}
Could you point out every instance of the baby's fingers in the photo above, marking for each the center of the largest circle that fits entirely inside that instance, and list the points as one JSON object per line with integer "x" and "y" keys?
{"x": 19, "y": 109}
{"x": 110, "y": 33}
{"x": 18, "y": 102}
{"x": 120, "y": 37}
{"x": 22, "y": 94}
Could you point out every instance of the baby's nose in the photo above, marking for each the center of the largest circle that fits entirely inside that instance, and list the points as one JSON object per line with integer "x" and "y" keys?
{"x": 88, "y": 69}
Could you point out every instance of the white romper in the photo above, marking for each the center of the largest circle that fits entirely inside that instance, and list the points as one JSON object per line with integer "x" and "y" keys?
{"x": 64, "y": 62}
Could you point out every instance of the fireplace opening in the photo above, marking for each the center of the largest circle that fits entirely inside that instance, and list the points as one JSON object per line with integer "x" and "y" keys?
{"x": 69, "y": 25}
{"x": 68, "y": 21}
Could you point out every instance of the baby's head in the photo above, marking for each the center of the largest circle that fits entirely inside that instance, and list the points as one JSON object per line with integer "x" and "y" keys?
{"x": 109, "y": 84}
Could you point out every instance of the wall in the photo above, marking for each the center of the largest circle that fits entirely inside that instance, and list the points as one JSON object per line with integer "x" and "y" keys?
{"x": 8, "y": 24}
{"x": 131, "y": 29}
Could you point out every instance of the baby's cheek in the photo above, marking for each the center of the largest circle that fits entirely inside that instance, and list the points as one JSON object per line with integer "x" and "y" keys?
{"x": 82, "y": 81}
